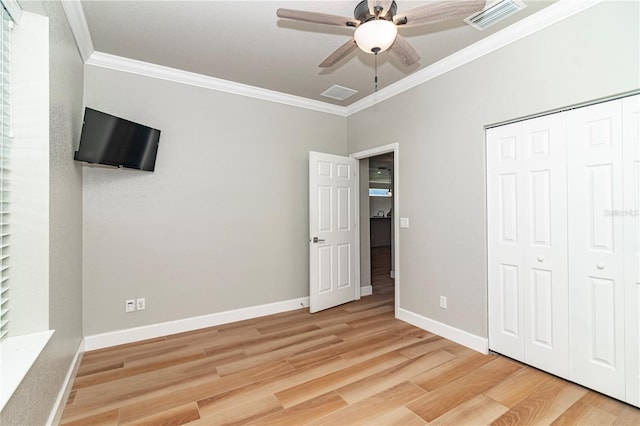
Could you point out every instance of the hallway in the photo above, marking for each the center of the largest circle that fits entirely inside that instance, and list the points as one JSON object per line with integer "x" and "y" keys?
{"x": 381, "y": 280}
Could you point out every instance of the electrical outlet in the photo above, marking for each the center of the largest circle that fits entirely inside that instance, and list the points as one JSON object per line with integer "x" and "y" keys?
{"x": 130, "y": 305}
{"x": 140, "y": 304}
{"x": 443, "y": 302}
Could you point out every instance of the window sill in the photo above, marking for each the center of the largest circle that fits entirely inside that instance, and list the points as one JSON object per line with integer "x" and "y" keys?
{"x": 17, "y": 356}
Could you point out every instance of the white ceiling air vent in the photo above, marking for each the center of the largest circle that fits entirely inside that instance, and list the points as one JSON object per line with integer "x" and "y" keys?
{"x": 338, "y": 92}
{"x": 493, "y": 13}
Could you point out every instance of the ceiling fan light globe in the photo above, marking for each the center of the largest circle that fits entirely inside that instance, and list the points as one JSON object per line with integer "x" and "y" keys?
{"x": 376, "y": 34}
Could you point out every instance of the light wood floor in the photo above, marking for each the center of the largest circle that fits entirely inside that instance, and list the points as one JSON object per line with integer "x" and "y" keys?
{"x": 354, "y": 364}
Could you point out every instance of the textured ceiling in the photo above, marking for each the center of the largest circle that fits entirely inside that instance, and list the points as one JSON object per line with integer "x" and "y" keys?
{"x": 244, "y": 42}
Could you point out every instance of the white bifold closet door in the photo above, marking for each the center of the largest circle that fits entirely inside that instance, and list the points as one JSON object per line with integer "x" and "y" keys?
{"x": 563, "y": 217}
{"x": 596, "y": 247}
{"x": 526, "y": 190}
{"x": 631, "y": 171}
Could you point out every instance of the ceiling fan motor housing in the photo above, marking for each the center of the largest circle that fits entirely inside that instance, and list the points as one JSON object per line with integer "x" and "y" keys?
{"x": 362, "y": 14}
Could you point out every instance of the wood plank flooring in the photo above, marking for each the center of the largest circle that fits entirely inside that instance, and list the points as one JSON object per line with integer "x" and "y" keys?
{"x": 351, "y": 365}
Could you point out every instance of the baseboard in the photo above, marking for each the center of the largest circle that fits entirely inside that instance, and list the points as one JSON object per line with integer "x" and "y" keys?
{"x": 462, "y": 337}
{"x": 65, "y": 390}
{"x": 104, "y": 340}
{"x": 366, "y": 290}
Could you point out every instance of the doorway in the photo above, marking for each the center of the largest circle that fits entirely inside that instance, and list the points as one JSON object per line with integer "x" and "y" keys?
{"x": 380, "y": 191}
{"x": 379, "y": 221}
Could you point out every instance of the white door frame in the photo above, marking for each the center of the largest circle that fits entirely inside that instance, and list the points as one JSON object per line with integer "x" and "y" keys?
{"x": 393, "y": 147}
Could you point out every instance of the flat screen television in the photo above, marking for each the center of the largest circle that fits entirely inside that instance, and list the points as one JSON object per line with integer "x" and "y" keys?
{"x": 114, "y": 141}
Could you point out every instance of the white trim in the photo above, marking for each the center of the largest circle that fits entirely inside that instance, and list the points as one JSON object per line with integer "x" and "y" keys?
{"x": 477, "y": 343}
{"x": 104, "y": 340}
{"x": 65, "y": 390}
{"x": 79, "y": 27}
{"x": 357, "y": 228}
{"x": 374, "y": 151}
{"x": 133, "y": 66}
{"x": 366, "y": 290}
{"x": 14, "y": 9}
{"x": 17, "y": 356}
{"x": 396, "y": 225}
{"x": 395, "y": 148}
{"x": 527, "y": 26}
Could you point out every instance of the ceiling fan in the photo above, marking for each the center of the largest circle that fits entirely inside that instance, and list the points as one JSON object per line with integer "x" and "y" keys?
{"x": 376, "y": 25}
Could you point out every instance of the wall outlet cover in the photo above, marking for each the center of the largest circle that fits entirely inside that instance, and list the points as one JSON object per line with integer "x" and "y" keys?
{"x": 141, "y": 304}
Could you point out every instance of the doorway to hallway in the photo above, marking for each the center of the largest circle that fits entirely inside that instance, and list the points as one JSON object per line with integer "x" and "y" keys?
{"x": 387, "y": 271}
{"x": 380, "y": 200}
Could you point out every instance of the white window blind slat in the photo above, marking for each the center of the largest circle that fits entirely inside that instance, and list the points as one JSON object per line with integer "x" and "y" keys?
{"x": 5, "y": 143}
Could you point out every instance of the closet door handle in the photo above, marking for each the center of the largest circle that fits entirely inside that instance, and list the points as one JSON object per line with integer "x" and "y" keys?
{"x": 540, "y": 259}
{"x": 600, "y": 265}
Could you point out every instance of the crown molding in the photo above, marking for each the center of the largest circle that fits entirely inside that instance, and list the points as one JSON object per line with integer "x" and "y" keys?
{"x": 79, "y": 27}
{"x": 13, "y": 8}
{"x": 119, "y": 63}
{"x": 546, "y": 17}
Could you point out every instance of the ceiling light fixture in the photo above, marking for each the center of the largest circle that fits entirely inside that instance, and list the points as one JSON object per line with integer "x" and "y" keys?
{"x": 376, "y": 36}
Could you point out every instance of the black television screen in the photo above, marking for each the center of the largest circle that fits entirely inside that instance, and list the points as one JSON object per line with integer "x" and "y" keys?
{"x": 114, "y": 141}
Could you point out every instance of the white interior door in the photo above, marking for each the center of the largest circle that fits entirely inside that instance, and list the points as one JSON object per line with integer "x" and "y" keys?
{"x": 631, "y": 167}
{"x": 333, "y": 256}
{"x": 596, "y": 247}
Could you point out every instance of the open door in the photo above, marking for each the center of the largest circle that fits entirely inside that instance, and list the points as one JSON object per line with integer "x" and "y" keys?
{"x": 333, "y": 256}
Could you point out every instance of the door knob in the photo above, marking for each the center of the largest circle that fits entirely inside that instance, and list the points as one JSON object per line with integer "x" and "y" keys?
{"x": 600, "y": 265}
{"x": 317, "y": 240}
{"x": 540, "y": 259}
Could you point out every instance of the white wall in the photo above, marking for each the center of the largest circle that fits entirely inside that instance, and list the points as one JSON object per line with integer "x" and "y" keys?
{"x": 221, "y": 224}
{"x": 440, "y": 128}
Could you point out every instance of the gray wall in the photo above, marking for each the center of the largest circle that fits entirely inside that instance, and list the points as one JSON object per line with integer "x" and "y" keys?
{"x": 439, "y": 126}
{"x": 33, "y": 401}
{"x": 221, "y": 224}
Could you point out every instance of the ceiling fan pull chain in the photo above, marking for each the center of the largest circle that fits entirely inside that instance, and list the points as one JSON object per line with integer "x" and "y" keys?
{"x": 375, "y": 51}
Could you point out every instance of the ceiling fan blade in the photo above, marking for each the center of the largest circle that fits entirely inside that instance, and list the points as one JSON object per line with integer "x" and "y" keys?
{"x": 340, "y": 53}
{"x": 317, "y": 18}
{"x": 438, "y": 12}
{"x": 372, "y": 7}
{"x": 384, "y": 4}
{"x": 403, "y": 51}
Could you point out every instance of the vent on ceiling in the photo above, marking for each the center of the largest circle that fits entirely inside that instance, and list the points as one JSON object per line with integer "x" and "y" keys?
{"x": 338, "y": 92}
{"x": 493, "y": 13}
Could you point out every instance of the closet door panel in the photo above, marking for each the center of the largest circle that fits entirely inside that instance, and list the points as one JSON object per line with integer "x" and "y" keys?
{"x": 631, "y": 167}
{"x": 545, "y": 243}
{"x": 596, "y": 290}
{"x": 505, "y": 221}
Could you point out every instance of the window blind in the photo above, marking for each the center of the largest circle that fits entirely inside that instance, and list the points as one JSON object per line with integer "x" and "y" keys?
{"x": 5, "y": 171}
